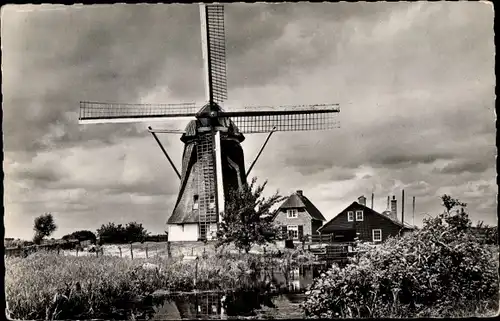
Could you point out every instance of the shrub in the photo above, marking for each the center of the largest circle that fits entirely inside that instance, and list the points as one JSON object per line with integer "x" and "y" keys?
{"x": 81, "y": 236}
{"x": 119, "y": 234}
{"x": 435, "y": 271}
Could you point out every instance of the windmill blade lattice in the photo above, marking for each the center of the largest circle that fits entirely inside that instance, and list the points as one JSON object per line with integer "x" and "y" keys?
{"x": 206, "y": 182}
{"x": 285, "y": 118}
{"x": 98, "y": 111}
{"x": 216, "y": 52}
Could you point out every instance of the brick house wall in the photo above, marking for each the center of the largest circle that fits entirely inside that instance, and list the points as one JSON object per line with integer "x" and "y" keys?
{"x": 303, "y": 218}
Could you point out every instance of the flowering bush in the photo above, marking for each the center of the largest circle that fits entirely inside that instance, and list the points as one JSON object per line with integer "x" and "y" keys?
{"x": 440, "y": 270}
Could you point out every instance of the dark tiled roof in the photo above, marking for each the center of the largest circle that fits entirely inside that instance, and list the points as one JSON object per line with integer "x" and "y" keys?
{"x": 367, "y": 209}
{"x": 300, "y": 201}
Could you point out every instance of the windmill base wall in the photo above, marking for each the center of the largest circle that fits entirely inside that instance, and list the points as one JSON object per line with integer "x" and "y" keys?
{"x": 186, "y": 232}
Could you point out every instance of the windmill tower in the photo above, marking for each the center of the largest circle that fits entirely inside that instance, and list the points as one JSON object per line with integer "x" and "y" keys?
{"x": 213, "y": 160}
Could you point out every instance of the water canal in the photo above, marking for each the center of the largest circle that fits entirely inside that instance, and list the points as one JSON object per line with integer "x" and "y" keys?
{"x": 279, "y": 298}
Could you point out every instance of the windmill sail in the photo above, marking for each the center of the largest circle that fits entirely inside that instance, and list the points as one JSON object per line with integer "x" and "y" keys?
{"x": 214, "y": 52}
{"x": 285, "y": 118}
{"x": 98, "y": 112}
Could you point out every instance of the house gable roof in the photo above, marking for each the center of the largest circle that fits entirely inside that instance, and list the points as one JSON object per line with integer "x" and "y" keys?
{"x": 300, "y": 201}
{"x": 367, "y": 210}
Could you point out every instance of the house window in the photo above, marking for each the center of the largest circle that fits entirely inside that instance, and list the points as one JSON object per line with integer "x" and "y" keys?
{"x": 195, "y": 203}
{"x": 293, "y": 231}
{"x": 359, "y": 215}
{"x": 350, "y": 216}
{"x": 291, "y": 213}
{"x": 377, "y": 235}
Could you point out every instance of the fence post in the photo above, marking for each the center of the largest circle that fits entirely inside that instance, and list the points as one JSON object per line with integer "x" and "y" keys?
{"x": 77, "y": 251}
{"x": 195, "y": 272}
{"x": 120, "y": 249}
{"x": 146, "y": 250}
{"x": 131, "y": 252}
{"x": 96, "y": 251}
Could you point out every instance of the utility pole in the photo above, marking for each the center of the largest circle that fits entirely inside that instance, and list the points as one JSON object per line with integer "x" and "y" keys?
{"x": 413, "y": 219}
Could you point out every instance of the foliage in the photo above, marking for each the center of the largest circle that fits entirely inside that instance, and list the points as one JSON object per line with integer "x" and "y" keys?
{"x": 81, "y": 236}
{"x": 247, "y": 219}
{"x": 16, "y": 243}
{"x": 449, "y": 203}
{"x": 44, "y": 226}
{"x": 106, "y": 287}
{"x": 486, "y": 234}
{"x": 119, "y": 234}
{"x": 435, "y": 271}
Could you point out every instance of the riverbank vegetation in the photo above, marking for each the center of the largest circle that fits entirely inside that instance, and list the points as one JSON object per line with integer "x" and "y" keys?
{"x": 442, "y": 270}
{"x": 50, "y": 286}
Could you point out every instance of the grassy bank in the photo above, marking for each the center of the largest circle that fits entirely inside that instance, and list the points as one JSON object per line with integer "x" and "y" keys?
{"x": 51, "y": 286}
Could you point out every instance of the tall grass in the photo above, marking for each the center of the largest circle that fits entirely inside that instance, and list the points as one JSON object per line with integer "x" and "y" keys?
{"x": 50, "y": 286}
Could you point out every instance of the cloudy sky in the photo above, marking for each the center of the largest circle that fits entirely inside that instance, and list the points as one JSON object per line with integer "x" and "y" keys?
{"x": 415, "y": 82}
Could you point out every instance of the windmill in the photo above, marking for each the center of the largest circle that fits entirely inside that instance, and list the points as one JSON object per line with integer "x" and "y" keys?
{"x": 212, "y": 162}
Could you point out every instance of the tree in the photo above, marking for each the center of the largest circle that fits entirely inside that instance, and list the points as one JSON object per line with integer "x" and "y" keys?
{"x": 450, "y": 203}
{"x": 135, "y": 232}
{"x": 43, "y": 227}
{"x": 119, "y": 234}
{"x": 81, "y": 236}
{"x": 458, "y": 220}
{"x": 111, "y": 233}
{"x": 247, "y": 219}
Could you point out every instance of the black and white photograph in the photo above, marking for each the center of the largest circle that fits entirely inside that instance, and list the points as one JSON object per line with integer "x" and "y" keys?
{"x": 249, "y": 160}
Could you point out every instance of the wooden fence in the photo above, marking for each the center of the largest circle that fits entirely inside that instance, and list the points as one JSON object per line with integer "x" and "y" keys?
{"x": 22, "y": 251}
{"x": 334, "y": 252}
{"x": 320, "y": 238}
{"x": 137, "y": 250}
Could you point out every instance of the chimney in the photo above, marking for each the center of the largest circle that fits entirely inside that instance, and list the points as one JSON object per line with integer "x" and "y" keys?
{"x": 362, "y": 200}
{"x": 372, "y": 200}
{"x": 299, "y": 192}
{"x": 403, "y": 207}
{"x": 388, "y": 208}
{"x": 394, "y": 207}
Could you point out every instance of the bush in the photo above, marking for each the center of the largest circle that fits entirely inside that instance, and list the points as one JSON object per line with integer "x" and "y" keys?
{"x": 81, "y": 236}
{"x": 119, "y": 234}
{"x": 440, "y": 270}
{"x": 16, "y": 243}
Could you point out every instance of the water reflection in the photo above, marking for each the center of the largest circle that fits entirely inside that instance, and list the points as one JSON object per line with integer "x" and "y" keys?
{"x": 278, "y": 296}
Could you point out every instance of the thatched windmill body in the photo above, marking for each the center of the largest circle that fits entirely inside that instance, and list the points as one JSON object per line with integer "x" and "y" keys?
{"x": 213, "y": 160}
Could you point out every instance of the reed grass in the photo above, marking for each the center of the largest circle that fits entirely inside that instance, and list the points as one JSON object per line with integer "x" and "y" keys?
{"x": 50, "y": 286}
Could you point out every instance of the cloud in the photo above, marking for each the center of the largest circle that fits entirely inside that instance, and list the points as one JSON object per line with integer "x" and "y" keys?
{"x": 415, "y": 83}
{"x": 471, "y": 166}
